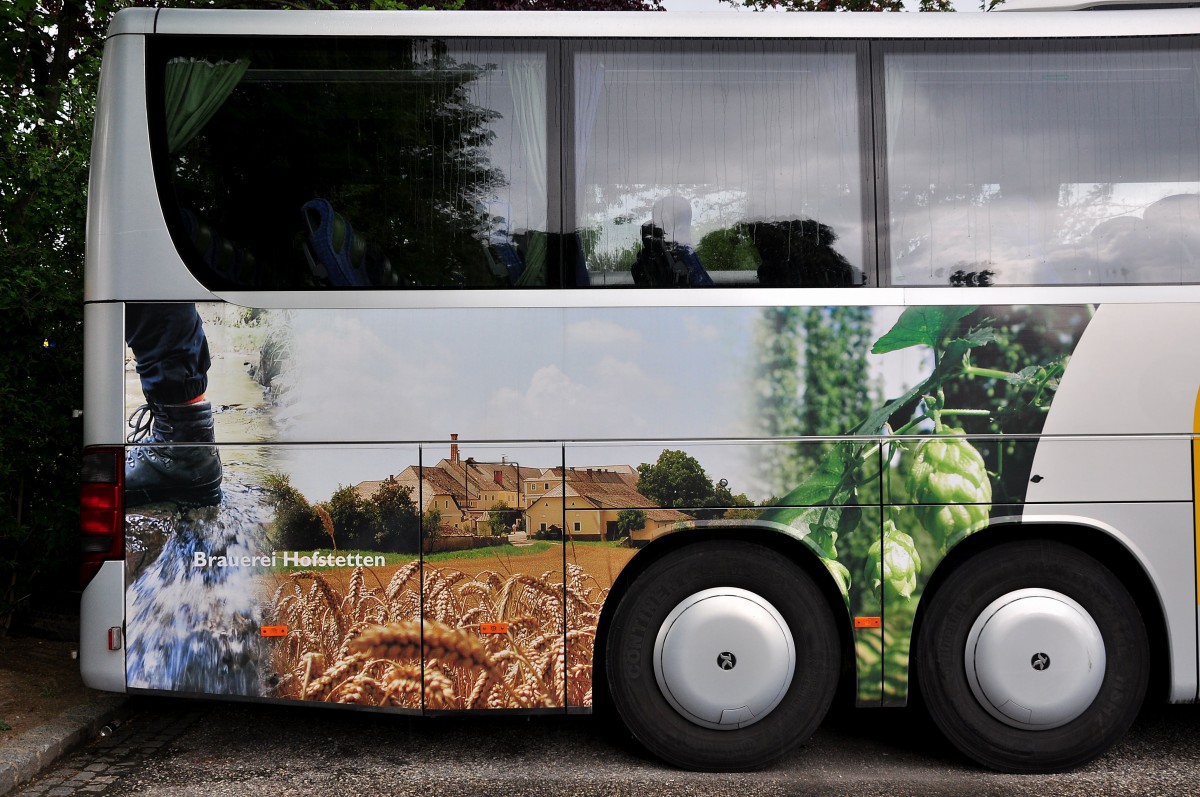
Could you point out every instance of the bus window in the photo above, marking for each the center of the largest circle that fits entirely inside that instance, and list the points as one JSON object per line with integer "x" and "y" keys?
{"x": 398, "y": 163}
{"x": 718, "y": 163}
{"x": 1042, "y": 164}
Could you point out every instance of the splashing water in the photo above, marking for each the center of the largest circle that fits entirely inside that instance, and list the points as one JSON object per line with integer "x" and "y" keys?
{"x": 196, "y": 628}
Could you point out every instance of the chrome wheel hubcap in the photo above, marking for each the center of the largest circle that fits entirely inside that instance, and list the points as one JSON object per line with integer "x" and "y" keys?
{"x": 724, "y": 658}
{"x": 1035, "y": 659}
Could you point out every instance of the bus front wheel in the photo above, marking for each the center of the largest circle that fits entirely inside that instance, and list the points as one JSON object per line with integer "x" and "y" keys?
{"x": 1033, "y": 657}
{"x": 722, "y": 656}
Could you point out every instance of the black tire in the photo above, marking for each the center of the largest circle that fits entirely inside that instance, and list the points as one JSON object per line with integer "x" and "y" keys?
{"x": 633, "y": 685}
{"x": 942, "y": 656}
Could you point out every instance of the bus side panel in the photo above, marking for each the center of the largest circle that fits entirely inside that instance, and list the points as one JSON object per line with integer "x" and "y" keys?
{"x": 1135, "y": 372}
{"x": 332, "y": 427}
{"x": 102, "y": 616}
{"x": 103, "y": 359}
{"x": 130, "y": 254}
{"x": 1158, "y": 537}
{"x": 102, "y": 624}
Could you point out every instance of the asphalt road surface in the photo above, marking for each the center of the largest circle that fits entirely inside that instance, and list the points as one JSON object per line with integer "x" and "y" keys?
{"x": 181, "y": 748}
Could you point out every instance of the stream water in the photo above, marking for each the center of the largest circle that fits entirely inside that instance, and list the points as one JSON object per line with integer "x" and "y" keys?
{"x": 196, "y": 628}
{"x": 193, "y": 628}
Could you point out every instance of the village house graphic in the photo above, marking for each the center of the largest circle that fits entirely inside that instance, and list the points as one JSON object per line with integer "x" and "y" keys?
{"x": 466, "y": 492}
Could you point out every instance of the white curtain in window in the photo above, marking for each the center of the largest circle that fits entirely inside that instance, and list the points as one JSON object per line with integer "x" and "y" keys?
{"x": 527, "y": 80}
{"x": 589, "y": 84}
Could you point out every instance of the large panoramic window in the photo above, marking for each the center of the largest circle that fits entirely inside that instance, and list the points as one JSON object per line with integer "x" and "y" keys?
{"x": 430, "y": 163}
{"x": 710, "y": 163}
{"x": 344, "y": 164}
{"x": 1028, "y": 164}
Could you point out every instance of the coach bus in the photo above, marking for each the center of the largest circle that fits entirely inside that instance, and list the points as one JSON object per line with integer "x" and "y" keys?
{"x": 698, "y": 369}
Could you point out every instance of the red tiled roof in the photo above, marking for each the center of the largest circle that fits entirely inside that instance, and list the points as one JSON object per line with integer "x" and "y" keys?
{"x": 608, "y": 474}
{"x": 482, "y": 475}
{"x": 443, "y": 483}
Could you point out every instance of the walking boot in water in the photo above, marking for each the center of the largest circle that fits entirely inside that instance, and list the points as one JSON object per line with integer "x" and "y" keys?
{"x": 186, "y": 474}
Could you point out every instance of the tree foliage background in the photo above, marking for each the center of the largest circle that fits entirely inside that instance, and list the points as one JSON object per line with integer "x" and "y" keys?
{"x": 676, "y": 480}
{"x": 49, "y": 60}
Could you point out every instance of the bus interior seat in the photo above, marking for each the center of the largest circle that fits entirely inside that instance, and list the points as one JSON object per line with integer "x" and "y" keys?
{"x": 226, "y": 259}
{"x": 340, "y": 256}
{"x": 505, "y": 262}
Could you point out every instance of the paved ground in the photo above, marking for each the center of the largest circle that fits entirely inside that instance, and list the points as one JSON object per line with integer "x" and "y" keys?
{"x": 171, "y": 747}
{"x": 175, "y": 747}
{"x": 113, "y": 756}
{"x": 45, "y": 710}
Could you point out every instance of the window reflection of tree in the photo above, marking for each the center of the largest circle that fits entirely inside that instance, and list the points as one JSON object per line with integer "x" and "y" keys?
{"x": 389, "y": 136}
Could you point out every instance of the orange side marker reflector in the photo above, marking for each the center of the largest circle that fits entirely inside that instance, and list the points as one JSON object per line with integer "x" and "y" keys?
{"x": 868, "y": 622}
{"x": 493, "y": 628}
{"x": 273, "y": 630}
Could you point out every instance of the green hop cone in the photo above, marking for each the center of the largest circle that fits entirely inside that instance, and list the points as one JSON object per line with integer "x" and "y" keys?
{"x": 894, "y": 561}
{"x": 949, "y": 484}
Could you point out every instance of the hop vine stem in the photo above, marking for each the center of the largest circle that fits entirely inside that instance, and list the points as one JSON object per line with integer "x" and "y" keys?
{"x": 987, "y": 373}
{"x": 965, "y": 412}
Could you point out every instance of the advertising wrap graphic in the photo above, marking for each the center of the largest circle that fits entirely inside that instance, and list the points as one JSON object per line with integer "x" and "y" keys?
{"x": 468, "y": 567}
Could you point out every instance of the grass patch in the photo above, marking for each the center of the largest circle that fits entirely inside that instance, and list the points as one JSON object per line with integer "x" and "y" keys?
{"x": 488, "y": 553}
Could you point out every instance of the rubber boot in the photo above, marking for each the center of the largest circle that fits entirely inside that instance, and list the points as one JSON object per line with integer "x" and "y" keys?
{"x": 186, "y": 474}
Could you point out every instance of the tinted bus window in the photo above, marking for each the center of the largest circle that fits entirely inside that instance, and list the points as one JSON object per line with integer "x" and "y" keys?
{"x": 719, "y": 163}
{"x": 1042, "y": 164}
{"x": 402, "y": 163}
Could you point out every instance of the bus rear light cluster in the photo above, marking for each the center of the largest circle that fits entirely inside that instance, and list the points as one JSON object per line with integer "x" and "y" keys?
{"x": 101, "y": 510}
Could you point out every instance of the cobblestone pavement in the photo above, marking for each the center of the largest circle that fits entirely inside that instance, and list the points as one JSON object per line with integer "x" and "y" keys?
{"x": 176, "y": 748}
{"x": 120, "y": 751}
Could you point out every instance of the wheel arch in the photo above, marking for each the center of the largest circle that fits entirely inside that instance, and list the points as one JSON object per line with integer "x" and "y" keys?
{"x": 1098, "y": 540}
{"x": 785, "y": 544}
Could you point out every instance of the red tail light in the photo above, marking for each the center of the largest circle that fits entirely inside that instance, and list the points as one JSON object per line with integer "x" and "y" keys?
{"x": 101, "y": 510}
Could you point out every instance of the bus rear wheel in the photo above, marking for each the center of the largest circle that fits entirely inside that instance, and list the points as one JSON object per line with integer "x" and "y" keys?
{"x": 722, "y": 656}
{"x": 1033, "y": 657}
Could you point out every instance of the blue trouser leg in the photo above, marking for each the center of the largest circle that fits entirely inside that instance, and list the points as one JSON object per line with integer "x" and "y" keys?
{"x": 172, "y": 361}
{"x": 171, "y": 351}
